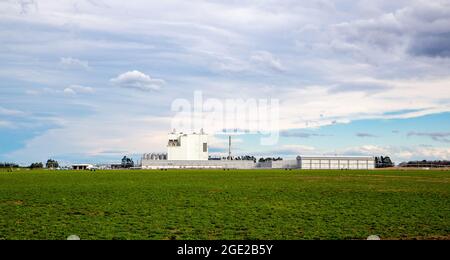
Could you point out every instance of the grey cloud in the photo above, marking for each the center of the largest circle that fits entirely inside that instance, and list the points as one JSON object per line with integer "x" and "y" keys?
{"x": 267, "y": 59}
{"x": 362, "y": 135}
{"x": 368, "y": 87}
{"x": 436, "y": 136}
{"x": 422, "y": 29}
{"x": 27, "y": 6}
{"x": 299, "y": 134}
{"x": 114, "y": 152}
{"x": 382, "y": 32}
{"x": 98, "y": 3}
{"x": 432, "y": 45}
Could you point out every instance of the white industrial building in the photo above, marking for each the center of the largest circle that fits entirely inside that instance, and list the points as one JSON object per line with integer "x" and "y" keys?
{"x": 191, "y": 151}
{"x": 187, "y": 146}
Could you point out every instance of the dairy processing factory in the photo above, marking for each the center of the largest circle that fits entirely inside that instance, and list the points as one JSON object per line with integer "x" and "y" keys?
{"x": 191, "y": 151}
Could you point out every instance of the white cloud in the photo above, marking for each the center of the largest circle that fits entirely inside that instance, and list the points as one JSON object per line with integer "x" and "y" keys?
{"x": 78, "y": 89}
{"x": 400, "y": 153}
{"x": 368, "y": 149}
{"x": 299, "y": 148}
{"x": 69, "y": 91}
{"x": 137, "y": 80}
{"x": 6, "y": 124}
{"x": 10, "y": 112}
{"x": 221, "y": 144}
{"x": 90, "y": 137}
{"x": 288, "y": 150}
{"x": 315, "y": 106}
{"x": 70, "y": 62}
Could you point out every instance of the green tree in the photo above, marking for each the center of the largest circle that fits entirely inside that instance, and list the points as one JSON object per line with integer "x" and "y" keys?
{"x": 127, "y": 162}
{"x": 51, "y": 164}
{"x": 37, "y": 165}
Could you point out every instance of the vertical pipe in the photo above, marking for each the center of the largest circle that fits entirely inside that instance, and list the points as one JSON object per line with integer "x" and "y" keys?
{"x": 229, "y": 147}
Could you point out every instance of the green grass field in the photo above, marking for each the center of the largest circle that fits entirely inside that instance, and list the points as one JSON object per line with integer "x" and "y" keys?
{"x": 217, "y": 204}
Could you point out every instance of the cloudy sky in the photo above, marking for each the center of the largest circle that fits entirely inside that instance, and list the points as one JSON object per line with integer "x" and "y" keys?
{"x": 93, "y": 80}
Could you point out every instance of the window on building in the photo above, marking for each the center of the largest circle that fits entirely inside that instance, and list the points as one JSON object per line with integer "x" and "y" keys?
{"x": 205, "y": 147}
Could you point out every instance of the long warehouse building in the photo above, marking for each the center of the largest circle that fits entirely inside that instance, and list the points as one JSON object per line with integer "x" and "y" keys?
{"x": 336, "y": 162}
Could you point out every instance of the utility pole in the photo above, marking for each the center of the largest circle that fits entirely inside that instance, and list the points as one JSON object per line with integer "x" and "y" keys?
{"x": 229, "y": 147}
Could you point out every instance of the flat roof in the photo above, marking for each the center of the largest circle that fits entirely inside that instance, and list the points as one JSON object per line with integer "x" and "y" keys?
{"x": 342, "y": 157}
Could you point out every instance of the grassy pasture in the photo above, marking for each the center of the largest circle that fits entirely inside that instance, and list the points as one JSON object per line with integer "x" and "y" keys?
{"x": 217, "y": 204}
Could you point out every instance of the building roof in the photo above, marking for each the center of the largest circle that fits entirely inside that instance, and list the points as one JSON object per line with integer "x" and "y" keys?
{"x": 337, "y": 157}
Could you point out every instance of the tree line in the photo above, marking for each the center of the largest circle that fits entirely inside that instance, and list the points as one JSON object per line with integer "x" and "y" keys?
{"x": 8, "y": 165}
{"x": 50, "y": 164}
{"x": 269, "y": 159}
{"x": 425, "y": 163}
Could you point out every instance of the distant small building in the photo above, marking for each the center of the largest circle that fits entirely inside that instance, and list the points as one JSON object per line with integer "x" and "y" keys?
{"x": 116, "y": 166}
{"x": 82, "y": 166}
